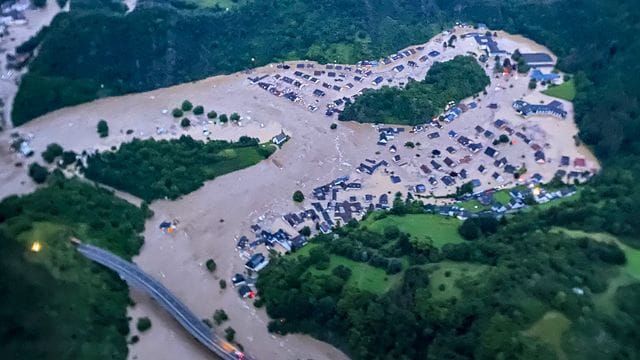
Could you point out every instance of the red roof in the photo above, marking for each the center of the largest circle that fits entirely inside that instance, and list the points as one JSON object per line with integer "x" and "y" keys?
{"x": 579, "y": 162}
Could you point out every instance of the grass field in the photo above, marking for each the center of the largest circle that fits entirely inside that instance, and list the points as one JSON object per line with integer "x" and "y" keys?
{"x": 363, "y": 276}
{"x": 566, "y": 90}
{"x": 549, "y": 329}
{"x": 441, "y": 230}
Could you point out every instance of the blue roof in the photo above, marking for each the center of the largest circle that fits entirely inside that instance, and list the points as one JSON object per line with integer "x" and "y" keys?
{"x": 476, "y": 182}
{"x": 434, "y": 53}
{"x": 539, "y": 76}
{"x": 395, "y": 179}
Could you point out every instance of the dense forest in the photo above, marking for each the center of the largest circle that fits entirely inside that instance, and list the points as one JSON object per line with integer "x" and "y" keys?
{"x": 469, "y": 300}
{"x": 55, "y": 303}
{"x": 419, "y": 101}
{"x": 155, "y": 169}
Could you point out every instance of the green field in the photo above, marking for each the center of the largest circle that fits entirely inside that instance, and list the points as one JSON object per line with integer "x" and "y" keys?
{"x": 566, "y": 90}
{"x": 363, "y": 276}
{"x": 549, "y": 329}
{"x": 439, "y": 229}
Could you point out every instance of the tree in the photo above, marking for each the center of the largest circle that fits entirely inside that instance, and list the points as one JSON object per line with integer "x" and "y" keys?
{"x": 223, "y": 284}
{"x": 52, "y": 151}
{"x": 103, "y": 128}
{"x": 305, "y": 231}
{"x": 235, "y": 117}
{"x": 177, "y": 113}
{"x": 212, "y": 114}
{"x": 298, "y": 196}
{"x": 186, "y": 105}
{"x": 333, "y": 126}
{"x": 466, "y": 188}
{"x": 409, "y": 144}
{"x": 198, "y": 110}
{"x": 39, "y": 3}
{"x": 185, "y": 123}
{"x": 211, "y": 265}
{"x": 223, "y": 118}
{"x": 532, "y": 84}
{"x": 144, "y": 324}
{"x": 229, "y": 334}
{"x": 38, "y": 173}
{"x": 62, "y": 3}
{"x": 68, "y": 157}
{"x": 220, "y": 316}
{"x": 342, "y": 272}
{"x": 503, "y": 139}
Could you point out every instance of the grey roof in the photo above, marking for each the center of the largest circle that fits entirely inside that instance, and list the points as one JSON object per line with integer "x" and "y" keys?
{"x": 536, "y": 58}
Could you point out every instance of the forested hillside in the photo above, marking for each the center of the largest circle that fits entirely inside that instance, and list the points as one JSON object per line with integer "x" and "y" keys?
{"x": 465, "y": 300}
{"x": 420, "y": 101}
{"x": 55, "y": 303}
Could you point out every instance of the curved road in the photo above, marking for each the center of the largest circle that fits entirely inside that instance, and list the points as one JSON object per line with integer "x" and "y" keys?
{"x": 135, "y": 277}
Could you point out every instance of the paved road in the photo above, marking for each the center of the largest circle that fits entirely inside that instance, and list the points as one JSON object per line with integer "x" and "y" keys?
{"x": 133, "y": 275}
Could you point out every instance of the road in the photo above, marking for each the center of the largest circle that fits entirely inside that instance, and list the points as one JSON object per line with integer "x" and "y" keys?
{"x": 137, "y": 278}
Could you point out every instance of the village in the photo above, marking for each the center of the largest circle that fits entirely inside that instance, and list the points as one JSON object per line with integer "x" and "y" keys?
{"x": 506, "y": 143}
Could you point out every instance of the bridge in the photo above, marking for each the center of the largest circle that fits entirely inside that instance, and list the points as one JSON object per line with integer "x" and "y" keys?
{"x": 137, "y": 278}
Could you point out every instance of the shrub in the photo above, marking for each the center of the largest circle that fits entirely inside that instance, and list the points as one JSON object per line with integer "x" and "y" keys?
{"x": 220, "y": 316}
{"x": 298, "y": 196}
{"x": 186, "y": 105}
{"x": 198, "y": 110}
{"x": 39, "y": 3}
{"x": 532, "y": 84}
{"x": 177, "y": 113}
{"x": 409, "y": 144}
{"x": 143, "y": 324}
{"x": 229, "y": 334}
{"x": 223, "y": 118}
{"x": 134, "y": 339}
{"x": 333, "y": 126}
{"x": 38, "y": 173}
{"x": 185, "y": 123}
{"x": 52, "y": 151}
{"x": 68, "y": 157}
{"x": 503, "y": 139}
{"x": 306, "y": 231}
{"x": 103, "y": 128}
{"x": 211, "y": 265}
{"x": 235, "y": 117}
{"x": 223, "y": 284}
{"x": 212, "y": 115}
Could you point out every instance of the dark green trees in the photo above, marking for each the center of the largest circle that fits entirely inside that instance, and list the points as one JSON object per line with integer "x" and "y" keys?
{"x": 103, "y": 128}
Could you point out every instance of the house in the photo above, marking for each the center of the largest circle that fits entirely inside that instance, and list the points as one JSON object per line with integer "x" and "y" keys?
{"x": 433, "y": 181}
{"x": 450, "y": 163}
{"x": 451, "y": 150}
{"x": 395, "y": 179}
{"x": 448, "y": 180}
{"x": 463, "y": 174}
{"x": 392, "y": 149}
{"x": 565, "y": 161}
{"x": 536, "y": 60}
{"x": 433, "y": 135}
{"x": 488, "y": 134}
{"x": 257, "y": 262}
{"x": 435, "y": 165}
{"x": 377, "y": 80}
{"x": 539, "y": 157}
{"x": 279, "y": 139}
{"x": 486, "y": 43}
{"x": 398, "y": 68}
{"x": 238, "y": 279}
{"x": 579, "y": 162}
{"x": 420, "y": 188}
{"x": 501, "y": 162}
{"x": 479, "y": 129}
{"x": 491, "y": 152}
{"x": 476, "y": 183}
{"x": 434, "y": 53}
{"x": 510, "y": 169}
{"x": 536, "y": 178}
{"x": 482, "y": 169}
{"x": 538, "y": 75}
{"x": 493, "y": 106}
{"x": 242, "y": 242}
{"x": 499, "y": 123}
{"x": 425, "y": 169}
{"x": 554, "y": 108}
{"x": 383, "y": 201}
{"x": 396, "y": 158}
{"x": 497, "y": 177}
{"x": 475, "y": 147}
{"x": 245, "y": 292}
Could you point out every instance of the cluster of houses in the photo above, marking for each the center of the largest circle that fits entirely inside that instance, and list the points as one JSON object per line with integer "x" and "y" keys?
{"x": 526, "y": 109}
{"x": 519, "y": 199}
